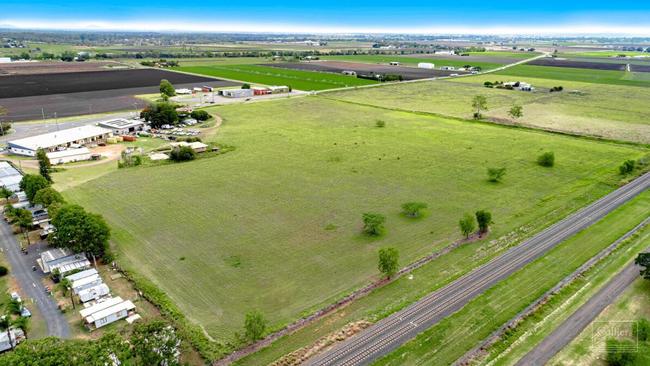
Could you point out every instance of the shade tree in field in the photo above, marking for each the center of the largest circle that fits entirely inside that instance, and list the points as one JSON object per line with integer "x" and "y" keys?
{"x": 484, "y": 219}
{"x": 467, "y": 225}
{"x": 516, "y": 111}
{"x": 32, "y": 183}
{"x": 413, "y": 209}
{"x": 373, "y": 223}
{"x": 44, "y": 165}
{"x": 81, "y": 231}
{"x": 388, "y": 261}
{"x": 496, "y": 174}
{"x": 479, "y": 104}
{"x": 47, "y": 196}
{"x": 254, "y": 325}
{"x": 643, "y": 261}
{"x": 547, "y": 159}
{"x": 166, "y": 88}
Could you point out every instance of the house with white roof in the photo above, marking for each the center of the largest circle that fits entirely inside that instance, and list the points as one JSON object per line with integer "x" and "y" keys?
{"x": 106, "y": 312}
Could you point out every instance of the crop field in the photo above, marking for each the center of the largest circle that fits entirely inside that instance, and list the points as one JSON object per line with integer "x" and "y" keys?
{"x": 605, "y": 110}
{"x": 607, "y": 53}
{"x": 620, "y": 66}
{"x": 413, "y": 61}
{"x": 297, "y": 79}
{"x": 275, "y": 225}
{"x": 337, "y": 67}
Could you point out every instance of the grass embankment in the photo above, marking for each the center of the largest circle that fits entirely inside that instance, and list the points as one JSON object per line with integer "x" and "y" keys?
{"x": 275, "y": 225}
{"x": 535, "y": 328}
{"x": 266, "y": 75}
{"x": 608, "y": 111}
{"x": 453, "y": 336}
{"x": 632, "y": 305}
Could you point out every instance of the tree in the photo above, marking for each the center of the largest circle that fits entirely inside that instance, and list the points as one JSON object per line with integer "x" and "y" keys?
{"x": 413, "y": 209}
{"x": 47, "y": 196}
{"x": 479, "y": 103}
{"x": 620, "y": 353}
{"x": 182, "y": 153}
{"x": 641, "y": 330}
{"x": 158, "y": 114}
{"x": 496, "y": 174}
{"x": 547, "y": 159}
{"x": 155, "y": 343}
{"x": 5, "y": 127}
{"x": 5, "y": 193}
{"x": 80, "y": 231}
{"x": 3, "y": 271}
{"x": 379, "y": 123}
{"x": 516, "y": 111}
{"x": 467, "y": 225}
{"x": 627, "y": 167}
{"x": 373, "y": 223}
{"x": 31, "y": 184}
{"x": 246, "y": 86}
{"x": 25, "y": 221}
{"x": 254, "y": 325}
{"x": 166, "y": 88}
{"x": 388, "y": 261}
{"x": 643, "y": 260}
{"x": 44, "y": 165}
{"x": 200, "y": 115}
{"x": 484, "y": 219}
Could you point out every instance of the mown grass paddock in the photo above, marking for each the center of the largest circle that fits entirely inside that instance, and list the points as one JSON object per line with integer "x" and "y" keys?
{"x": 608, "y": 111}
{"x": 275, "y": 225}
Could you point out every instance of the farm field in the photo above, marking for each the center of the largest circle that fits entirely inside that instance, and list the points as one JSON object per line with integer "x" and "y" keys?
{"x": 254, "y": 219}
{"x": 337, "y": 67}
{"x": 573, "y": 74}
{"x": 296, "y": 79}
{"x": 446, "y": 341}
{"x": 609, "y": 111}
{"x": 413, "y": 61}
{"x": 632, "y": 305}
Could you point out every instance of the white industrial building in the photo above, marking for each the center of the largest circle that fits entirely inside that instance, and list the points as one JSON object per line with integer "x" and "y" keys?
{"x": 426, "y": 65}
{"x": 10, "y": 177}
{"x": 59, "y": 140}
{"x": 106, "y": 312}
{"x": 63, "y": 260}
{"x": 69, "y": 155}
{"x": 237, "y": 93}
{"x": 122, "y": 126}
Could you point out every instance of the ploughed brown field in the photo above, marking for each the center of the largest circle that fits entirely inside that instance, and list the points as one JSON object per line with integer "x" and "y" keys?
{"x": 589, "y": 65}
{"x": 408, "y": 73}
{"x": 55, "y": 67}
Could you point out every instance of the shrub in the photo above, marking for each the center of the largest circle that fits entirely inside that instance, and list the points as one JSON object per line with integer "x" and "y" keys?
{"x": 3, "y": 271}
{"x": 642, "y": 330}
{"x": 627, "y": 167}
{"x": 484, "y": 219}
{"x": 380, "y": 123}
{"x": 556, "y": 89}
{"x": 246, "y": 86}
{"x": 547, "y": 159}
{"x": 182, "y": 153}
{"x": 620, "y": 353}
{"x": 413, "y": 209}
{"x": 496, "y": 174}
{"x": 200, "y": 115}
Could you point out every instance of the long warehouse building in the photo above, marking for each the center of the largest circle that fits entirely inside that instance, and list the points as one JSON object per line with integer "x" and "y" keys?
{"x": 59, "y": 140}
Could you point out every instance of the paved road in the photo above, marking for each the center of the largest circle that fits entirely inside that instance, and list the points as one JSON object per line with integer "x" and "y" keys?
{"x": 389, "y": 333}
{"x": 30, "y": 282}
{"x": 579, "y": 320}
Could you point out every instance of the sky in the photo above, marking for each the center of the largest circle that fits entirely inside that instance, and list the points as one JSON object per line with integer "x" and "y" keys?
{"x": 318, "y": 16}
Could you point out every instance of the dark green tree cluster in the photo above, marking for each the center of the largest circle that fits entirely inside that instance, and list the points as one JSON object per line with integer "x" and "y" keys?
{"x": 468, "y": 223}
{"x": 47, "y": 197}
{"x": 620, "y": 352}
{"x": 81, "y": 231}
{"x": 166, "y": 89}
{"x": 627, "y": 167}
{"x": 373, "y": 223}
{"x": 32, "y": 183}
{"x": 496, "y": 174}
{"x": 44, "y": 165}
{"x": 413, "y": 209}
{"x": 547, "y": 159}
{"x": 254, "y": 325}
{"x": 182, "y": 153}
{"x": 388, "y": 261}
{"x": 200, "y": 115}
{"x": 158, "y": 114}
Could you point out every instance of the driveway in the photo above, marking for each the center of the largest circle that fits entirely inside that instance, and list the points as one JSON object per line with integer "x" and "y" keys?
{"x": 29, "y": 281}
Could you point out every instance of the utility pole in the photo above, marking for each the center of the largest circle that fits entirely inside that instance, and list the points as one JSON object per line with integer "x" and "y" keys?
{"x": 43, "y": 112}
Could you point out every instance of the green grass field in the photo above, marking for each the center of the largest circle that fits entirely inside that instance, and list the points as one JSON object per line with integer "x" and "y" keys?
{"x": 275, "y": 224}
{"x": 610, "y": 111}
{"x": 604, "y": 53}
{"x": 511, "y": 54}
{"x": 297, "y": 79}
{"x": 574, "y": 74}
{"x": 450, "y": 338}
{"x": 413, "y": 61}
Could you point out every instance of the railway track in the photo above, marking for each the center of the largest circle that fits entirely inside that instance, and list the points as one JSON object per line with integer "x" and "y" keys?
{"x": 391, "y": 332}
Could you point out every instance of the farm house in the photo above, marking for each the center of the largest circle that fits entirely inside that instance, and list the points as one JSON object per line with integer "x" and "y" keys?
{"x": 237, "y": 93}
{"x": 106, "y": 312}
{"x": 10, "y": 177}
{"x": 82, "y": 274}
{"x": 93, "y": 293}
{"x": 69, "y": 155}
{"x": 86, "y": 283}
{"x": 59, "y": 140}
{"x": 63, "y": 260}
{"x": 279, "y": 89}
